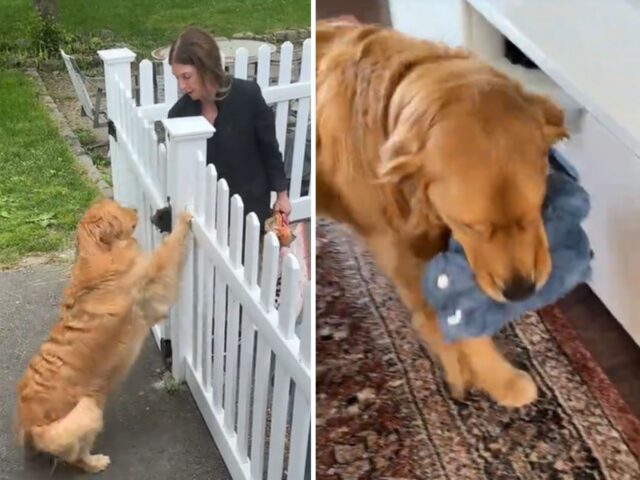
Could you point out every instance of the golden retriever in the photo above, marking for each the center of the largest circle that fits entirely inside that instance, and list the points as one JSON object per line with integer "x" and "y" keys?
{"x": 114, "y": 296}
{"x": 417, "y": 142}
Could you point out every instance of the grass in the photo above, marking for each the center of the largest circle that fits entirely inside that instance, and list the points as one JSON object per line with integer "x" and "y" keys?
{"x": 13, "y": 13}
{"x": 43, "y": 192}
{"x": 148, "y": 24}
{"x": 144, "y": 25}
{"x": 85, "y": 136}
{"x": 103, "y": 164}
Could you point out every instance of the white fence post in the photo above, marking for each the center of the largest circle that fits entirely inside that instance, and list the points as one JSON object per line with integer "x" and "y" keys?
{"x": 117, "y": 65}
{"x": 186, "y": 140}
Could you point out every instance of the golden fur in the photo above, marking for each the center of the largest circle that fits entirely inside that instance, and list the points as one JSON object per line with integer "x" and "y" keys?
{"x": 114, "y": 296}
{"x": 417, "y": 142}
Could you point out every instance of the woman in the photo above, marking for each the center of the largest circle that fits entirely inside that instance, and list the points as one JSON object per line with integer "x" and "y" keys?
{"x": 244, "y": 148}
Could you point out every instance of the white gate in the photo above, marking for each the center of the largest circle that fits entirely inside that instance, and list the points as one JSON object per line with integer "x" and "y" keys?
{"x": 247, "y": 363}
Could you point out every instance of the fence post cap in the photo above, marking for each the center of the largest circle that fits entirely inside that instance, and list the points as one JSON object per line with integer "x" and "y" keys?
{"x": 117, "y": 55}
{"x": 188, "y": 128}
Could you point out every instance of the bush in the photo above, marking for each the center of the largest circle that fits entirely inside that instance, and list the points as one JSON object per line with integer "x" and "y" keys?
{"x": 39, "y": 42}
{"x": 46, "y": 37}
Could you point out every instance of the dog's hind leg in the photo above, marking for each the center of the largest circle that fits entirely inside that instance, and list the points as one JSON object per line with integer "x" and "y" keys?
{"x": 162, "y": 276}
{"x": 493, "y": 374}
{"x": 70, "y": 438}
{"x": 88, "y": 462}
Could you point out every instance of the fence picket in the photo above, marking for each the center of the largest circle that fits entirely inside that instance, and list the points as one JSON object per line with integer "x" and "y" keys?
{"x": 233, "y": 319}
{"x": 282, "y": 111}
{"x": 263, "y": 74}
{"x": 162, "y": 169}
{"x": 269, "y": 272}
{"x": 241, "y": 63}
{"x": 222, "y": 222}
{"x": 299, "y": 440}
{"x": 185, "y": 301}
{"x": 146, "y": 83}
{"x": 200, "y": 315}
{"x": 170, "y": 84}
{"x": 263, "y": 357}
{"x": 279, "y": 410}
{"x": 287, "y": 311}
{"x": 258, "y": 434}
{"x": 251, "y": 254}
{"x": 300, "y": 420}
{"x": 301, "y": 128}
{"x": 286, "y": 324}
{"x": 209, "y": 219}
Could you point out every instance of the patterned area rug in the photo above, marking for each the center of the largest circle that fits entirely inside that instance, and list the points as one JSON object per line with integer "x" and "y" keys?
{"x": 383, "y": 410}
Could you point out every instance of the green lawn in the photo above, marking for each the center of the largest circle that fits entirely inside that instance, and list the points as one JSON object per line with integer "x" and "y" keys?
{"x": 12, "y": 24}
{"x": 148, "y": 24}
{"x": 42, "y": 191}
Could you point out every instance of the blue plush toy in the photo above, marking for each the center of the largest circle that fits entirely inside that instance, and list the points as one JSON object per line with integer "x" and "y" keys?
{"x": 463, "y": 310}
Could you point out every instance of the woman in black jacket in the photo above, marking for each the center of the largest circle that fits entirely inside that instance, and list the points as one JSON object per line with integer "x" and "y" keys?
{"x": 244, "y": 148}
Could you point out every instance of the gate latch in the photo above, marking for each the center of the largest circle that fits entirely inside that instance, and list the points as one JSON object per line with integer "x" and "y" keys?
{"x": 111, "y": 129}
{"x": 161, "y": 219}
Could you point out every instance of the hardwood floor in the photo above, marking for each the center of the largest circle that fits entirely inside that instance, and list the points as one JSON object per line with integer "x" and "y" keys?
{"x": 614, "y": 350}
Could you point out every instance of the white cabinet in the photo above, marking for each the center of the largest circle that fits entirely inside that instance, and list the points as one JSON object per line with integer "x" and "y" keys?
{"x": 437, "y": 20}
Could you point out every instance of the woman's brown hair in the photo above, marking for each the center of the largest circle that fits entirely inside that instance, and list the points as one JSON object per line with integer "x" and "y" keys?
{"x": 197, "y": 47}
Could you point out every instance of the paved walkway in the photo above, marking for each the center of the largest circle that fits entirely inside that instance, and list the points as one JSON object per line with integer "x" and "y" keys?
{"x": 149, "y": 433}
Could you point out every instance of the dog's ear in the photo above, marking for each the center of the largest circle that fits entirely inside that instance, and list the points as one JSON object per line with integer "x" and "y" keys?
{"x": 108, "y": 230}
{"x": 553, "y": 117}
{"x": 402, "y": 170}
{"x": 98, "y": 232}
{"x": 410, "y": 118}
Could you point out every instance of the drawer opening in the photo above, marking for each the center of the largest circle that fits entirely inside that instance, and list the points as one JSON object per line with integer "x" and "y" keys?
{"x": 491, "y": 45}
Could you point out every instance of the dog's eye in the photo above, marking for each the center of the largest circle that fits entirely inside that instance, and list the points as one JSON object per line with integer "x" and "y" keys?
{"x": 484, "y": 230}
{"x": 524, "y": 224}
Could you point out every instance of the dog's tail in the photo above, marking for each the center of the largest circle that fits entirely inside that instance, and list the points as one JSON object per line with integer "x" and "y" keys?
{"x": 61, "y": 438}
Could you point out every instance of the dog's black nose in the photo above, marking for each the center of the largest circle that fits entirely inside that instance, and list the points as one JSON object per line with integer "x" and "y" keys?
{"x": 519, "y": 289}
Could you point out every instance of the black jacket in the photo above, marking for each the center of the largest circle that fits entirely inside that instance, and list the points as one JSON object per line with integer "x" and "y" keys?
{"x": 244, "y": 148}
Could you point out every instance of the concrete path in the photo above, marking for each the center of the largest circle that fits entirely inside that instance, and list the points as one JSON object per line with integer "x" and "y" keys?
{"x": 149, "y": 432}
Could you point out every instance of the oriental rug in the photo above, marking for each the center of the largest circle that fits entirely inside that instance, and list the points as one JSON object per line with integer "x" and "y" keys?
{"x": 383, "y": 410}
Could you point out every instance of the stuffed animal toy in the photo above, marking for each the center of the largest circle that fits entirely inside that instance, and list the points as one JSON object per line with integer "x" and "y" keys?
{"x": 279, "y": 225}
{"x": 292, "y": 239}
{"x": 463, "y": 310}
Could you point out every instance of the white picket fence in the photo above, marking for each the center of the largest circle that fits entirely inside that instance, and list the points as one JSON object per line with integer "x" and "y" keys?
{"x": 246, "y": 363}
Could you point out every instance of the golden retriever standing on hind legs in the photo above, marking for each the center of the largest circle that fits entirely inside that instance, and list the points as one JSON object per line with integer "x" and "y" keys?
{"x": 114, "y": 296}
{"x": 417, "y": 142}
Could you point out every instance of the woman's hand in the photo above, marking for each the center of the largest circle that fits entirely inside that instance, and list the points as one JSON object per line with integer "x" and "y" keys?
{"x": 283, "y": 205}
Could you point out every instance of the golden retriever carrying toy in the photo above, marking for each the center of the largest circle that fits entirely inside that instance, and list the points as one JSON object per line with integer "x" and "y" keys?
{"x": 416, "y": 142}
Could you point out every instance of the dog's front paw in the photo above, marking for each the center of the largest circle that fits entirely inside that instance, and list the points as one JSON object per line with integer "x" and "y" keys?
{"x": 184, "y": 221}
{"x": 94, "y": 463}
{"x": 455, "y": 366}
{"x": 457, "y": 372}
{"x": 516, "y": 390}
{"x": 185, "y": 217}
{"x": 521, "y": 390}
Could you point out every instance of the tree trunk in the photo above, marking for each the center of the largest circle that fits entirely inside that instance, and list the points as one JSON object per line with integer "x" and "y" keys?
{"x": 47, "y": 8}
